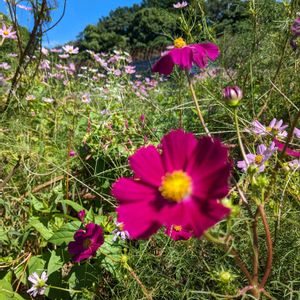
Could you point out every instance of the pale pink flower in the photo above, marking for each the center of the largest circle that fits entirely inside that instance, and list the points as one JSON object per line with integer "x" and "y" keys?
{"x": 7, "y": 33}
{"x": 70, "y": 49}
{"x": 180, "y": 5}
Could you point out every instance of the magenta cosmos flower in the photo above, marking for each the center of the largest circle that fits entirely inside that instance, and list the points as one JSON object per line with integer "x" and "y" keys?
{"x": 288, "y": 151}
{"x": 185, "y": 56}
{"x": 179, "y": 183}
{"x": 178, "y": 233}
{"x": 86, "y": 242}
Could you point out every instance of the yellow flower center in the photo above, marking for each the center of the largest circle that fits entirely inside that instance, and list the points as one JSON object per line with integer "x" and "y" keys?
{"x": 86, "y": 243}
{"x": 121, "y": 227}
{"x": 179, "y": 43}
{"x": 258, "y": 159}
{"x": 177, "y": 228}
{"x": 176, "y": 186}
{"x": 268, "y": 129}
{"x": 5, "y": 32}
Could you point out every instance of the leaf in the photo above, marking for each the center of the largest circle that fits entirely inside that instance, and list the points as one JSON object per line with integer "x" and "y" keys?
{"x": 65, "y": 233}
{"x": 7, "y": 293}
{"x": 77, "y": 207}
{"x": 54, "y": 263}
{"x": 40, "y": 227}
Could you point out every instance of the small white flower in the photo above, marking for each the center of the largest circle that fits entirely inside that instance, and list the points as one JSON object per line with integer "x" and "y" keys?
{"x": 119, "y": 232}
{"x": 39, "y": 284}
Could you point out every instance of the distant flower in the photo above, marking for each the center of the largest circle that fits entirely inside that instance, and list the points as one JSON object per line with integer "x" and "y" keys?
{"x": 180, "y": 5}
{"x": 45, "y": 51}
{"x": 87, "y": 241}
{"x": 179, "y": 184}
{"x": 70, "y": 49}
{"x": 232, "y": 95}
{"x": 178, "y": 233}
{"x": 117, "y": 72}
{"x": 258, "y": 160}
{"x": 54, "y": 50}
{"x": 288, "y": 151}
{"x": 5, "y": 66}
{"x": 27, "y": 8}
{"x": 86, "y": 98}
{"x": 30, "y": 97}
{"x": 72, "y": 153}
{"x": 295, "y": 28}
{"x": 185, "y": 56}
{"x": 81, "y": 215}
{"x": 63, "y": 55}
{"x": 295, "y": 164}
{"x": 297, "y": 133}
{"x": 39, "y": 284}
{"x": 130, "y": 69}
{"x": 275, "y": 128}
{"x": 45, "y": 64}
{"x": 7, "y": 33}
{"x": 119, "y": 232}
{"x": 12, "y": 54}
{"x": 47, "y": 100}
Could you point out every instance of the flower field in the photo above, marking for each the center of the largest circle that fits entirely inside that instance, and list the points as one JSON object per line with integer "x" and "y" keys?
{"x": 179, "y": 180}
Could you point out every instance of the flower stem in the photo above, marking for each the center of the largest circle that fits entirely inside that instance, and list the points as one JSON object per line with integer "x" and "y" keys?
{"x": 236, "y": 122}
{"x": 269, "y": 246}
{"x": 191, "y": 86}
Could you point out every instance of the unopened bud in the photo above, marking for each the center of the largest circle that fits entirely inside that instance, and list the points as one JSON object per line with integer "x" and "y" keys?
{"x": 232, "y": 95}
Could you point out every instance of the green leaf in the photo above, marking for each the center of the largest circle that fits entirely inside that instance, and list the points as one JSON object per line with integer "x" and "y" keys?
{"x": 40, "y": 227}
{"x": 65, "y": 233}
{"x": 55, "y": 263}
{"x": 7, "y": 293}
{"x": 77, "y": 207}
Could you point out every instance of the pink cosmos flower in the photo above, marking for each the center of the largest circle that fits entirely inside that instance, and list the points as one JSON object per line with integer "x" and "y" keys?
{"x": 7, "y": 33}
{"x": 27, "y": 8}
{"x": 178, "y": 233}
{"x": 297, "y": 133}
{"x": 275, "y": 128}
{"x": 258, "y": 160}
{"x": 38, "y": 284}
{"x": 185, "y": 56}
{"x": 129, "y": 69}
{"x": 180, "y": 5}
{"x": 86, "y": 242}
{"x": 295, "y": 164}
{"x": 72, "y": 153}
{"x": 179, "y": 183}
{"x": 119, "y": 232}
{"x": 232, "y": 95}
{"x": 70, "y": 49}
{"x": 288, "y": 151}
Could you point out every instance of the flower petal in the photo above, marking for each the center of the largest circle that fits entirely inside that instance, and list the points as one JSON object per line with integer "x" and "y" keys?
{"x": 164, "y": 65}
{"x": 128, "y": 190}
{"x": 147, "y": 166}
{"x": 177, "y": 147}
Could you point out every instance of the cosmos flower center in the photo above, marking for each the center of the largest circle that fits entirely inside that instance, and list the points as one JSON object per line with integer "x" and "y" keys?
{"x": 41, "y": 283}
{"x": 6, "y": 32}
{"x": 179, "y": 43}
{"x": 87, "y": 243}
{"x": 176, "y": 186}
{"x": 258, "y": 159}
{"x": 121, "y": 227}
{"x": 177, "y": 228}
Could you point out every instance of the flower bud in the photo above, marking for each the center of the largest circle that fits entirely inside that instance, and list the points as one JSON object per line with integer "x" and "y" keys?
{"x": 295, "y": 28}
{"x": 225, "y": 277}
{"x": 81, "y": 215}
{"x": 232, "y": 95}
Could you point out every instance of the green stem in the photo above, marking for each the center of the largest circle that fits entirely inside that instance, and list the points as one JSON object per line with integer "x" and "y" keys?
{"x": 236, "y": 122}
{"x": 191, "y": 86}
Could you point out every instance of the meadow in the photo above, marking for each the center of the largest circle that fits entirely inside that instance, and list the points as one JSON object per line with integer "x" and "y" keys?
{"x": 178, "y": 181}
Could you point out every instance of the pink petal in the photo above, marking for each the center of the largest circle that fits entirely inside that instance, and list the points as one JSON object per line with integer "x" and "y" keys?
{"x": 212, "y": 50}
{"x": 183, "y": 57}
{"x": 209, "y": 169}
{"x": 127, "y": 190}
{"x": 164, "y": 65}
{"x": 288, "y": 151}
{"x": 140, "y": 219}
{"x": 177, "y": 147}
{"x": 147, "y": 166}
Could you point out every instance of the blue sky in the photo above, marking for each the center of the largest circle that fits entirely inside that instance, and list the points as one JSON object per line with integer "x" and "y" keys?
{"x": 79, "y": 13}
